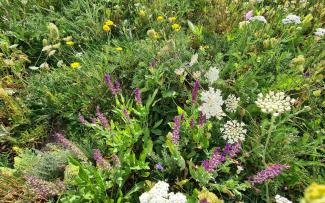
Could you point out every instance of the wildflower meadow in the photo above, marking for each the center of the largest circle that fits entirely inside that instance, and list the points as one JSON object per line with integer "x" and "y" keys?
{"x": 162, "y": 101}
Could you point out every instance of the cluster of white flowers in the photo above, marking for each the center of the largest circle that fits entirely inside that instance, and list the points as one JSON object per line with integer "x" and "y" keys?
{"x": 159, "y": 194}
{"x": 232, "y": 103}
{"x": 212, "y": 103}
{"x": 179, "y": 71}
{"x": 280, "y": 199}
{"x": 291, "y": 19}
{"x": 258, "y": 18}
{"x": 320, "y": 32}
{"x": 274, "y": 103}
{"x": 233, "y": 131}
{"x": 212, "y": 75}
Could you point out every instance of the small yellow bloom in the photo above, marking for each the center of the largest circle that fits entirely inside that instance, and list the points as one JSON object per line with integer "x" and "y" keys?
{"x": 109, "y": 23}
{"x": 160, "y": 18}
{"x": 142, "y": 13}
{"x": 172, "y": 19}
{"x": 315, "y": 193}
{"x": 119, "y": 49}
{"x": 70, "y": 43}
{"x": 176, "y": 27}
{"x": 106, "y": 28}
{"x": 75, "y": 65}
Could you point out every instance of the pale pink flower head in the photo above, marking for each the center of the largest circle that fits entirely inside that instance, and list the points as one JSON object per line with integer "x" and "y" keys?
{"x": 249, "y": 15}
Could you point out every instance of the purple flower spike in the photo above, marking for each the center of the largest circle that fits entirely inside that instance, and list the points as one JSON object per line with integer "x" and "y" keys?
{"x": 201, "y": 119}
{"x": 216, "y": 159}
{"x": 195, "y": 91}
{"x": 159, "y": 166}
{"x": 126, "y": 114}
{"x": 268, "y": 173}
{"x": 116, "y": 160}
{"x": 117, "y": 87}
{"x": 70, "y": 146}
{"x": 249, "y": 15}
{"x": 110, "y": 84}
{"x": 204, "y": 201}
{"x": 82, "y": 119}
{"x": 101, "y": 117}
{"x": 176, "y": 129}
{"x": 44, "y": 189}
{"x": 192, "y": 123}
{"x": 137, "y": 93}
{"x": 100, "y": 161}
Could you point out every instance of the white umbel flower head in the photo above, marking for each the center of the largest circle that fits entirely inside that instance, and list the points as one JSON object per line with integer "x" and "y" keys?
{"x": 274, "y": 103}
{"x": 212, "y": 75}
{"x": 320, "y": 32}
{"x": 179, "y": 71}
{"x": 233, "y": 132}
{"x": 212, "y": 103}
{"x": 291, "y": 19}
{"x": 232, "y": 103}
{"x": 280, "y": 199}
{"x": 177, "y": 198}
{"x": 258, "y": 18}
{"x": 160, "y": 189}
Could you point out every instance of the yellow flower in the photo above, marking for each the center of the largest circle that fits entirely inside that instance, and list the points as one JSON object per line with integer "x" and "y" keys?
{"x": 119, "y": 49}
{"x": 75, "y": 65}
{"x": 142, "y": 13}
{"x": 70, "y": 43}
{"x": 172, "y": 19}
{"x": 315, "y": 193}
{"x": 106, "y": 28}
{"x": 109, "y": 23}
{"x": 160, "y": 18}
{"x": 209, "y": 196}
{"x": 176, "y": 27}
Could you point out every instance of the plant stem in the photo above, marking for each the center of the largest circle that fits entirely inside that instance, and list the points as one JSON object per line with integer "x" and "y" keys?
{"x": 269, "y": 132}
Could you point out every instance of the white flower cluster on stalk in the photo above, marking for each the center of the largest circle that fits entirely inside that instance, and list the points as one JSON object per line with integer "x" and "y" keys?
{"x": 258, "y": 18}
{"x": 212, "y": 103}
{"x": 212, "y": 75}
{"x": 159, "y": 194}
{"x": 233, "y": 131}
{"x": 274, "y": 103}
{"x": 232, "y": 103}
{"x": 291, "y": 19}
{"x": 320, "y": 32}
{"x": 280, "y": 199}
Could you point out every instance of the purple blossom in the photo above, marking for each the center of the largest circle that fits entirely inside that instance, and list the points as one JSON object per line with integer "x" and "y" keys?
{"x": 101, "y": 117}
{"x": 116, "y": 160}
{"x": 268, "y": 173}
{"x": 100, "y": 161}
{"x": 182, "y": 117}
{"x": 82, "y": 119}
{"x": 44, "y": 189}
{"x": 94, "y": 120}
{"x": 110, "y": 84}
{"x": 204, "y": 201}
{"x": 117, "y": 86}
{"x": 126, "y": 114}
{"x": 70, "y": 146}
{"x": 192, "y": 123}
{"x": 195, "y": 91}
{"x": 249, "y": 15}
{"x": 159, "y": 166}
{"x": 176, "y": 129}
{"x": 137, "y": 93}
{"x": 201, "y": 119}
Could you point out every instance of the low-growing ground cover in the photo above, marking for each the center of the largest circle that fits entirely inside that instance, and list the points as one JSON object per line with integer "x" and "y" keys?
{"x": 162, "y": 101}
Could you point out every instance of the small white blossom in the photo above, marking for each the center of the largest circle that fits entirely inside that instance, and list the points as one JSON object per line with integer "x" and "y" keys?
{"x": 179, "y": 71}
{"x": 274, "y": 103}
{"x": 177, "y": 198}
{"x": 320, "y": 32}
{"x": 47, "y": 48}
{"x": 291, "y": 19}
{"x": 258, "y": 18}
{"x": 233, "y": 131}
{"x": 212, "y": 103}
{"x": 280, "y": 199}
{"x": 239, "y": 169}
{"x": 194, "y": 59}
{"x": 212, "y": 75}
{"x": 197, "y": 75}
{"x": 232, "y": 103}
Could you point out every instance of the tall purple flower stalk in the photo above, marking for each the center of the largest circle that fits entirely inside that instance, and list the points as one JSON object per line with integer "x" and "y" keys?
{"x": 100, "y": 161}
{"x": 218, "y": 156}
{"x": 268, "y": 173}
{"x": 201, "y": 119}
{"x": 101, "y": 117}
{"x": 195, "y": 91}
{"x": 137, "y": 93}
{"x": 82, "y": 119}
{"x": 44, "y": 189}
{"x": 176, "y": 129}
{"x": 70, "y": 146}
{"x": 192, "y": 123}
{"x": 113, "y": 87}
{"x": 126, "y": 114}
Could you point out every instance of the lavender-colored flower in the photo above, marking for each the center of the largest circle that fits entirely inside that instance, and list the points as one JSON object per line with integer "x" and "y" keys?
{"x": 44, "y": 189}
{"x": 204, "y": 201}
{"x": 116, "y": 160}
{"x": 110, "y": 84}
{"x": 70, "y": 146}
{"x": 100, "y": 161}
{"x": 93, "y": 120}
{"x": 195, "y": 91}
{"x": 176, "y": 129}
{"x": 82, "y": 119}
{"x": 268, "y": 173}
{"x": 137, "y": 93}
{"x": 101, "y": 117}
{"x": 232, "y": 150}
{"x": 126, "y": 114}
{"x": 216, "y": 159}
{"x": 159, "y": 166}
{"x": 249, "y": 15}
{"x": 117, "y": 86}
{"x": 306, "y": 74}
{"x": 182, "y": 117}
{"x": 192, "y": 123}
{"x": 202, "y": 119}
